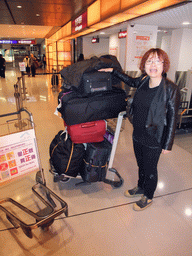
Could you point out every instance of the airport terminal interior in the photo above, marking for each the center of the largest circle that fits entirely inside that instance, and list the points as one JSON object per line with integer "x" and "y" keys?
{"x": 39, "y": 214}
{"x": 101, "y": 221}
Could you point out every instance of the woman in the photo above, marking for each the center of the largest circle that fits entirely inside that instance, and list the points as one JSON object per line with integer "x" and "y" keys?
{"x": 154, "y": 110}
{"x": 27, "y": 64}
{"x": 33, "y": 64}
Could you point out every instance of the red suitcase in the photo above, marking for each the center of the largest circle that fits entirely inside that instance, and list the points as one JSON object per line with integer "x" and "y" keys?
{"x": 87, "y": 132}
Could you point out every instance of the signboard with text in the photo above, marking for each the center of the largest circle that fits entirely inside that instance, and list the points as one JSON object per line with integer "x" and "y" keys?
{"x": 95, "y": 40}
{"x": 17, "y": 41}
{"x": 122, "y": 34}
{"x": 79, "y": 23}
{"x": 18, "y": 155}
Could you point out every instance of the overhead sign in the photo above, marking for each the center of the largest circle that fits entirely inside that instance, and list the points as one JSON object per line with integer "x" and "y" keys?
{"x": 17, "y": 41}
{"x": 122, "y": 34}
{"x": 95, "y": 40}
{"x": 26, "y": 42}
{"x": 8, "y": 41}
{"x": 79, "y": 23}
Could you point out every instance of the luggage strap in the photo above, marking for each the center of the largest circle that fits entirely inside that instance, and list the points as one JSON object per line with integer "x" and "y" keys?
{"x": 72, "y": 149}
{"x": 113, "y": 182}
{"x": 92, "y": 165}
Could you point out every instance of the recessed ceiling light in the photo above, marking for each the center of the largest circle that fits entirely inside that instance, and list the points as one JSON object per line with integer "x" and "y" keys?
{"x": 37, "y": 15}
{"x": 186, "y": 23}
{"x": 19, "y": 6}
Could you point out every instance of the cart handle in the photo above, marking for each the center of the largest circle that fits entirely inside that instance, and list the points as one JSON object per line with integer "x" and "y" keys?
{"x": 18, "y": 112}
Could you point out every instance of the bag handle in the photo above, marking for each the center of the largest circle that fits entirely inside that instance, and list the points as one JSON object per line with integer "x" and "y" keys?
{"x": 87, "y": 125}
{"x": 66, "y": 137}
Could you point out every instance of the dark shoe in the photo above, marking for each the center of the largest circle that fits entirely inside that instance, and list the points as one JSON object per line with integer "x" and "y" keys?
{"x": 142, "y": 204}
{"x": 137, "y": 191}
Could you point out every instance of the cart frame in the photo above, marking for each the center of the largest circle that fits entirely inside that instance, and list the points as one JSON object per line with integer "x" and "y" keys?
{"x": 45, "y": 217}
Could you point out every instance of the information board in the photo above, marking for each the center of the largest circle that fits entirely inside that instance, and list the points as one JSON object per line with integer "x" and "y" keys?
{"x": 18, "y": 155}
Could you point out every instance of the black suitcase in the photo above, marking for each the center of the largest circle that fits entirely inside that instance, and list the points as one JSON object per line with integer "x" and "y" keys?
{"x": 95, "y": 82}
{"x": 96, "y": 160}
{"x": 98, "y": 106}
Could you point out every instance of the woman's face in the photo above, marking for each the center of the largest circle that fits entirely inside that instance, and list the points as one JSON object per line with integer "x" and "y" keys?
{"x": 154, "y": 66}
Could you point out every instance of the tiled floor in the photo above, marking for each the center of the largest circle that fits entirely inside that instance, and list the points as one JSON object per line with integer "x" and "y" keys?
{"x": 101, "y": 220}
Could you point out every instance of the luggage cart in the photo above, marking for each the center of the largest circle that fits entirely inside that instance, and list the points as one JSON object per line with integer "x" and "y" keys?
{"x": 110, "y": 168}
{"x": 54, "y": 80}
{"x": 112, "y": 175}
{"x": 45, "y": 216}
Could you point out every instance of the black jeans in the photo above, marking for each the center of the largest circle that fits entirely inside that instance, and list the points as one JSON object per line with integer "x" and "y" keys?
{"x": 147, "y": 160}
{"x": 33, "y": 70}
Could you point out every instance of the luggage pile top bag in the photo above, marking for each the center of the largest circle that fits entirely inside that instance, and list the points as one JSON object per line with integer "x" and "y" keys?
{"x": 95, "y": 81}
{"x": 73, "y": 74}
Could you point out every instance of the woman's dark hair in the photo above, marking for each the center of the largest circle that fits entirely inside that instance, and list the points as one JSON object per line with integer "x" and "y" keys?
{"x": 162, "y": 56}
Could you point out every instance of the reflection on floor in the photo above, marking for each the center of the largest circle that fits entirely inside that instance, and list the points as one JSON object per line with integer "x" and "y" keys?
{"x": 101, "y": 220}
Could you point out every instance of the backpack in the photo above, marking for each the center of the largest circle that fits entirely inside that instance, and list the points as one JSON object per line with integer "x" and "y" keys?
{"x": 66, "y": 156}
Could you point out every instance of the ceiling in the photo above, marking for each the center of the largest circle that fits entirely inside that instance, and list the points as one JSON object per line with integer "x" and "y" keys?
{"x": 46, "y": 16}
{"x": 42, "y": 18}
{"x": 166, "y": 20}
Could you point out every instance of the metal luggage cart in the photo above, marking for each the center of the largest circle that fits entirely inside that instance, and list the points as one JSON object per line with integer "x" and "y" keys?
{"x": 110, "y": 168}
{"x": 112, "y": 176}
{"x": 20, "y": 131}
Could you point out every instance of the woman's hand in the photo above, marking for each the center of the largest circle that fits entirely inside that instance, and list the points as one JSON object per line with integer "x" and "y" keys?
{"x": 164, "y": 151}
{"x": 106, "y": 70}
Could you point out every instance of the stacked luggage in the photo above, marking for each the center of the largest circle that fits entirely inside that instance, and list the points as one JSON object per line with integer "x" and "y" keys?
{"x": 84, "y": 109}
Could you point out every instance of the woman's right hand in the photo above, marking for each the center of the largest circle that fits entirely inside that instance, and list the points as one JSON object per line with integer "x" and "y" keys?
{"x": 106, "y": 70}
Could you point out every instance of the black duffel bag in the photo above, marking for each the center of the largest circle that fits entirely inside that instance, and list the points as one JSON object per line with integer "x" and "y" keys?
{"x": 66, "y": 156}
{"x": 76, "y": 109}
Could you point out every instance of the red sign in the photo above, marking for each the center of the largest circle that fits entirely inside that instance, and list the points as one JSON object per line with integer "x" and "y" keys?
{"x": 122, "y": 34}
{"x": 79, "y": 23}
{"x": 26, "y": 42}
{"x": 145, "y": 38}
{"x": 95, "y": 40}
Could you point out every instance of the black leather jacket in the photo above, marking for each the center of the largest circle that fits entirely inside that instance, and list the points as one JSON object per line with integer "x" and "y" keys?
{"x": 163, "y": 112}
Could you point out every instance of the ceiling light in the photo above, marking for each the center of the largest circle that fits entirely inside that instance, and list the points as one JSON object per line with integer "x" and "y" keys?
{"x": 37, "y": 15}
{"x": 188, "y": 212}
{"x": 19, "y": 6}
{"x": 102, "y": 33}
{"x": 186, "y": 23}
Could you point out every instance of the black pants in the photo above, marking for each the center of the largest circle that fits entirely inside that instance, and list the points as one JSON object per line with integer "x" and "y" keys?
{"x": 33, "y": 70}
{"x": 147, "y": 160}
{"x": 2, "y": 71}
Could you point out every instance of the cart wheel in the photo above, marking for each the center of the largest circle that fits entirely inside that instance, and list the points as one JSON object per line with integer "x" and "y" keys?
{"x": 39, "y": 179}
